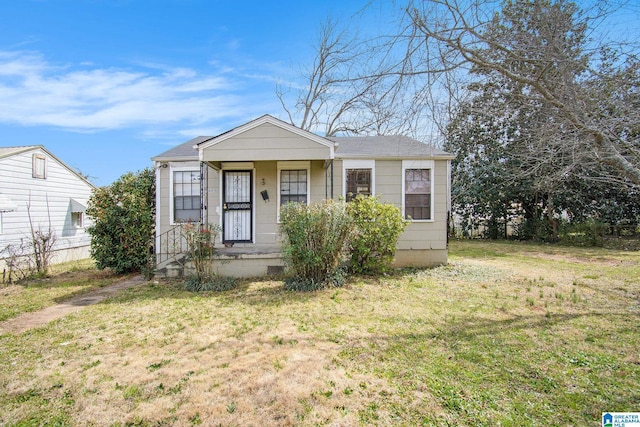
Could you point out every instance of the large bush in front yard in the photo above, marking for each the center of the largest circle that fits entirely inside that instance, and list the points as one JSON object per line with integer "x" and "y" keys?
{"x": 316, "y": 239}
{"x": 377, "y": 229}
{"x": 123, "y": 216}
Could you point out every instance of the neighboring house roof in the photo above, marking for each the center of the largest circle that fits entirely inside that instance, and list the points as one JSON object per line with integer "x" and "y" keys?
{"x": 12, "y": 151}
{"x": 393, "y": 146}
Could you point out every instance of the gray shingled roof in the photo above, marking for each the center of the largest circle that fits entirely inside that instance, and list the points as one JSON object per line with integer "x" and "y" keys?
{"x": 183, "y": 151}
{"x": 397, "y": 146}
{"x": 369, "y": 147}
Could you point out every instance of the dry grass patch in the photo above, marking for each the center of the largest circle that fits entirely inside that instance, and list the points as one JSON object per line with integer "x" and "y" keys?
{"x": 159, "y": 355}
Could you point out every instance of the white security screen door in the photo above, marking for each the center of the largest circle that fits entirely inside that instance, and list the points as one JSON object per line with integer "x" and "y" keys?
{"x": 237, "y": 206}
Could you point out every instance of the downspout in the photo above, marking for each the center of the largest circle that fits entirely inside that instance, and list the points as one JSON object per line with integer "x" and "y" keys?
{"x": 204, "y": 177}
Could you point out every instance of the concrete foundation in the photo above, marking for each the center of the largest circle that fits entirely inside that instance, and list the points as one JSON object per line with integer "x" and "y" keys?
{"x": 420, "y": 257}
{"x": 260, "y": 261}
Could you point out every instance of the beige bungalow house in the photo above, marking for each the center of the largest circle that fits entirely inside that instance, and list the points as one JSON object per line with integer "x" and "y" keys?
{"x": 240, "y": 178}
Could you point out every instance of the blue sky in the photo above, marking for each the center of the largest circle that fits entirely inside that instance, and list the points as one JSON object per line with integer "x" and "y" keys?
{"x": 107, "y": 84}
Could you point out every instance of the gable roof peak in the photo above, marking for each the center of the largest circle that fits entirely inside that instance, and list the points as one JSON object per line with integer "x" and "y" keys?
{"x": 266, "y": 118}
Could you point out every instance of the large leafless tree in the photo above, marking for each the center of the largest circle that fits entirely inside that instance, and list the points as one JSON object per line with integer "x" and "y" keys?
{"x": 543, "y": 50}
{"x": 351, "y": 88}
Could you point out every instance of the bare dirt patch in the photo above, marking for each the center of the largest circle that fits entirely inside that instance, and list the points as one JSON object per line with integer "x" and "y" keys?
{"x": 26, "y": 321}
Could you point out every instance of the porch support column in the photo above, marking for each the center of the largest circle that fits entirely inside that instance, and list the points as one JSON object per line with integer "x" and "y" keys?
{"x": 332, "y": 178}
{"x": 326, "y": 182}
{"x": 328, "y": 165}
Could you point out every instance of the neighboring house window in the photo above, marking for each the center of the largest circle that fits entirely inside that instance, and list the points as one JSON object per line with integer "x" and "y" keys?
{"x": 418, "y": 190}
{"x": 358, "y": 178}
{"x": 186, "y": 196}
{"x": 293, "y": 186}
{"x": 76, "y": 219}
{"x": 39, "y": 166}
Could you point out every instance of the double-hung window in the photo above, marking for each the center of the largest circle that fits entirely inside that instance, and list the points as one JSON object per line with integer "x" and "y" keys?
{"x": 417, "y": 191}
{"x": 186, "y": 196}
{"x": 294, "y": 178}
{"x": 293, "y": 186}
{"x": 358, "y": 178}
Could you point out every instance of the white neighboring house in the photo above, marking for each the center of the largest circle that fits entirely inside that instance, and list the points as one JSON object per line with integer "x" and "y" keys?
{"x": 36, "y": 185}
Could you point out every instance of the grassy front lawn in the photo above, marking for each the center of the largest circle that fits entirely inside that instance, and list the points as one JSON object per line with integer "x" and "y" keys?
{"x": 507, "y": 334}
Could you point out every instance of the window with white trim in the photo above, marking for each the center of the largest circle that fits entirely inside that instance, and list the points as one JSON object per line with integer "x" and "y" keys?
{"x": 359, "y": 178}
{"x": 294, "y": 177}
{"x": 358, "y": 182}
{"x": 186, "y": 196}
{"x": 417, "y": 188}
{"x": 39, "y": 166}
{"x": 77, "y": 219}
{"x": 293, "y": 186}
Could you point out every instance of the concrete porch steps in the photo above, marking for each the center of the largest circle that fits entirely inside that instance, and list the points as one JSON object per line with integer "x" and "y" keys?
{"x": 236, "y": 261}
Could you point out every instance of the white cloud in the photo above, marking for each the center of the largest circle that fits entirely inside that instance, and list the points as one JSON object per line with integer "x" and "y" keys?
{"x": 83, "y": 97}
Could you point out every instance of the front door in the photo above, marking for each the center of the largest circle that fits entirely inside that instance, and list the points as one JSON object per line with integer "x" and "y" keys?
{"x": 237, "y": 207}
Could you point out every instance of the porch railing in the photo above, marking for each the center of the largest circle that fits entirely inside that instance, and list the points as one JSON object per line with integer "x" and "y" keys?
{"x": 170, "y": 245}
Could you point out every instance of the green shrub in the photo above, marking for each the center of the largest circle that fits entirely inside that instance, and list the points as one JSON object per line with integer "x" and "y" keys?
{"x": 585, "y": 233}
{"x": 316, "y": 239}
{"x": 123, "y": 216}
{"x": 377, "y": 229}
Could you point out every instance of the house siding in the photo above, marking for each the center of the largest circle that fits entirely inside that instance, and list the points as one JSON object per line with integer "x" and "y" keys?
{"x": 428, "y": 235}
{"x": 389, "y": 181}
{"x": 266, "y": 211}
{"x": 320, "y": 186}
{"x": 46, "y": 201}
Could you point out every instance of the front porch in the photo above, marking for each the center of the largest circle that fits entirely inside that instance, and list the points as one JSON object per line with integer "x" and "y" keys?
{"x": 239, "y": 260}
{"x": 232, "y": 262}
